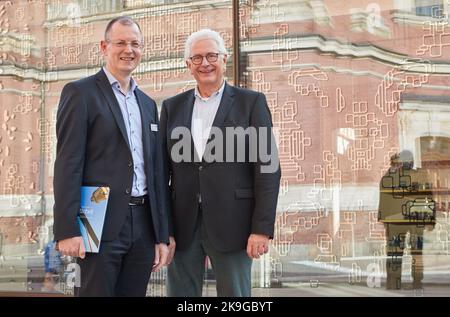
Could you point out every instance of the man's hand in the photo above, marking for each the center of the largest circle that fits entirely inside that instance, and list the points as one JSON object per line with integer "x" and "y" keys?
{"x": 172, "y": 247}
{"x": 161, "y": 253}
{"x": 257, "y": 245}
{"x": 72, "y": 247}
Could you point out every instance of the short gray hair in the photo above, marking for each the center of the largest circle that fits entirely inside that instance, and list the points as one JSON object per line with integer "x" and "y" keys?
{"x": 204, "y": 34}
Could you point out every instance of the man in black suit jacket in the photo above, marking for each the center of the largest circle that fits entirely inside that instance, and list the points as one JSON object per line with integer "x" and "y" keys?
{"x": 107, "y": 136}
{"x": 224, "y": 175}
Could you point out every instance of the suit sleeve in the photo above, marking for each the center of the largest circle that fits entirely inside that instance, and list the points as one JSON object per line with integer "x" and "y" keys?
{"x": 267, "y": 171}
{"x": 166, "y": 168}
{"x": 71, "y": 133}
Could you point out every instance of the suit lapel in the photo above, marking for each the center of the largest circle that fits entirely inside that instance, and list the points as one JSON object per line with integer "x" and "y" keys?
{"x": 224, "y": 107}
{"x": 106, "y": 89}
{"x": 147, "y": 119}
{"x": 188, "y": 109}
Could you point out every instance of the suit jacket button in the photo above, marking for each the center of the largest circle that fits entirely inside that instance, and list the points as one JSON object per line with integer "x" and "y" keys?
{"x": 200, "y": 168}
{"x": 127, "y": 191}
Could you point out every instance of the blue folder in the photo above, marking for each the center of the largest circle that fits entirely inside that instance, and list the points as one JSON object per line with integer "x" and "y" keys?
{"x": 91, "y": 217}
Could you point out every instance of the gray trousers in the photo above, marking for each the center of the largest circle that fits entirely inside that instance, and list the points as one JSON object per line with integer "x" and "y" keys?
{"x": 185, "y": 274}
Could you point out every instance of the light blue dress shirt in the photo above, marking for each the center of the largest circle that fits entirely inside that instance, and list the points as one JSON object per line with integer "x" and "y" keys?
{"x": 132, "y": 119}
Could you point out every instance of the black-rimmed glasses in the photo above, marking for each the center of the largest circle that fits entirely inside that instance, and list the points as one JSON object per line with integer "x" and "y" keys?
{"x": 210, "y": 57}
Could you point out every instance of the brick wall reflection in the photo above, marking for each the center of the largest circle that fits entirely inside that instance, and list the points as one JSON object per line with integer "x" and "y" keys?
{"x": 348, "y": 83}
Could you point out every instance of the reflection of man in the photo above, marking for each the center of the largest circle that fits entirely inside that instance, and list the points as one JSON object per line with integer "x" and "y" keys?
{"x": 406, "y": 206}
{"x": 221, "y": 209}
{"x": 107, "y": 136}
{"x": 53, "y": 266}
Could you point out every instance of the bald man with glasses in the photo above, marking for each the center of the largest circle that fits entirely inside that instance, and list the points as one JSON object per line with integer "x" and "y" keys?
{"x": 107, "y": 136}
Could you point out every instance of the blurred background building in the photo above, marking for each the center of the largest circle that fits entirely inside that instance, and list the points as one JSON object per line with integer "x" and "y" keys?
{"x": 349, "y": 84}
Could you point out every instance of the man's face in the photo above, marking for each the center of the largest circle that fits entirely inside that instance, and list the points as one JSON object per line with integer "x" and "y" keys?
{"x": 122, "y": 49}
{"x": 207, "y": 74}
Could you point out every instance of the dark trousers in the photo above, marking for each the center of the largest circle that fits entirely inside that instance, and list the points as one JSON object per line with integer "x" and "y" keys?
{"x": 232, "y": 270}
{"x": 123, "y": 266}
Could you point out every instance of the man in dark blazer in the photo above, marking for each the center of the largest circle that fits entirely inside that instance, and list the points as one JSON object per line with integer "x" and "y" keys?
{"x": 224, "y": 175}
{"x": 107, "y": 136}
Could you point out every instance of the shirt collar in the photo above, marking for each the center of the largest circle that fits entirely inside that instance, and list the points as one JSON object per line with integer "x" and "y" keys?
{"x": 214, "y": 94}
{"x": 113, "y": 81}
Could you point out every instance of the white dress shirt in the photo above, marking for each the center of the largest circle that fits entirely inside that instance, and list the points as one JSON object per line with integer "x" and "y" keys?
{"x": 203, "y": 115}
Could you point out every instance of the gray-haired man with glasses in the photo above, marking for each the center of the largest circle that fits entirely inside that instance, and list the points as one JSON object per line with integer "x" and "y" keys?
{"x": 223, "y": 209}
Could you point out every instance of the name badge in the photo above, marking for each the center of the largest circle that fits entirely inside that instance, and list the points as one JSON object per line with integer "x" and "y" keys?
{"x": 153, "y": 127}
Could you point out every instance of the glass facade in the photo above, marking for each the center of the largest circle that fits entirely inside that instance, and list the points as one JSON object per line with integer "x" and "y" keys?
{"x": 361, "y": 109}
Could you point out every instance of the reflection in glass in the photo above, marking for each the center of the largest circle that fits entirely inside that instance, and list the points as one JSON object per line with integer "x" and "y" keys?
{"x": 349, "y": 84}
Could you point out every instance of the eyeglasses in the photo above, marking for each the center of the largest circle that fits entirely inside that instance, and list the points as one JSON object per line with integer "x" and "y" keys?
{"x": 122, "y": 44}
{"x": 210, "y": 57}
